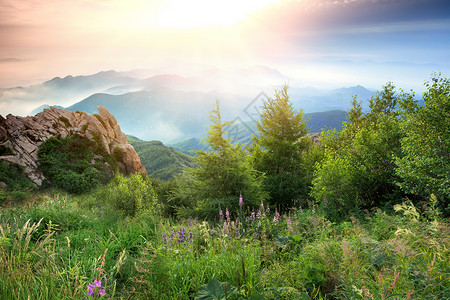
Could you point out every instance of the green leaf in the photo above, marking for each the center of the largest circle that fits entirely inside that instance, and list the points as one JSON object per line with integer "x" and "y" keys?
{"x": 215, "y": 290}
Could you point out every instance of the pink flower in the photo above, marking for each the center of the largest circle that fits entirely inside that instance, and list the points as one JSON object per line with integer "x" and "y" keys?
{"x": 241, "y": 201}
{"x": 276, "y": 217}
{"x": 289, "y": 225}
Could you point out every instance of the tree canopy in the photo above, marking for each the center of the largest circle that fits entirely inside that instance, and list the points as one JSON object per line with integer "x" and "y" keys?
{"x": 276, "y": 151}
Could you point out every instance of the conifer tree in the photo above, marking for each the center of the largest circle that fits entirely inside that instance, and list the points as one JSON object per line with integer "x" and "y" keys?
{"x": 277, "y": 149}
{"x": 222, "y": 174}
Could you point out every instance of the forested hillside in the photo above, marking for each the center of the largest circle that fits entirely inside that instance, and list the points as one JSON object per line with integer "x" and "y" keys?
{"x": 160, "y": 161}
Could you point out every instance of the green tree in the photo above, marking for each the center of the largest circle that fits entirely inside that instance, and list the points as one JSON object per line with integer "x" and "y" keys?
{"x": 358, "y": 169}
{"x": 425, "y": 164}
{"x": 277, "y": 149}
{"x": 221, "y": 174}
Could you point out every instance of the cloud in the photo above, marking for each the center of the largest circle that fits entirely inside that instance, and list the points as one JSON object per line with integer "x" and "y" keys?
{"x": 11, "y": 60}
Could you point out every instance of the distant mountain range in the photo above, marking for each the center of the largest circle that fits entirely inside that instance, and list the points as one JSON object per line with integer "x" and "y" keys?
{"x": 173, "y": 108}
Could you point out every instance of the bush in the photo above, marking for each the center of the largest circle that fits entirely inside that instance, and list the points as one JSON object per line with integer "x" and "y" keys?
{"x": 129, "y": 195}
{"x": 70, "y": 163}
{"x": 12, "y": 175}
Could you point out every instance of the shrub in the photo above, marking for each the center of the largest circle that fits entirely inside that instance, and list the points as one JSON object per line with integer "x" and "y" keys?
{"x": 129, "y": 195}
{"x": 65, "y": 121}
{"x": 68, "y": 163}
{"x": 12, "y": 175}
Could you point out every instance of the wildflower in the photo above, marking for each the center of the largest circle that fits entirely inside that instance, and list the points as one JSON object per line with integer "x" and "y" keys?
{"x": 181, "y": 235}
{"x": 314, "y": 210}
{"x": 276, "y": 217}
{"x": 172, "y": 237}
{"x": 227, "y": 214}
{"x": 191, "y": 236}
{"x": 258, "y": 214}
{"x": 289, "y": 225}
{"x": 252, "y": 216}
{"x": 268, "y": 210}
{"x": 221, "y": 215}
{"x": 241, "y": 201}
{"x": 97, "y": 286}
{"x": 164, "y": 238}
{"x": 325, "y": 202}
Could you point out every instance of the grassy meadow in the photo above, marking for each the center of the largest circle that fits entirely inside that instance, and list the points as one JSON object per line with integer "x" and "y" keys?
{"x": 60, "y": 246}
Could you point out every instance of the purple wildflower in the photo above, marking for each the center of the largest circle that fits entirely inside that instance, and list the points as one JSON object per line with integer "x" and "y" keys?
{"x": 258, "y": 214}
{"x": 221, "y": 215}
{"x": 252, "y": 216}
{"x": 172, "y": 237}
{"x": 181, "y": 235}
{"x": 314, "y": 210}
{"x": 96, "y": 286}
{"x": 241, "y": 201}
{"x": 227, "y": 214}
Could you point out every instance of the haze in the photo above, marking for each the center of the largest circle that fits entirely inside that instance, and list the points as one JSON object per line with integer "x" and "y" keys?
{"x": 320, "y": 43}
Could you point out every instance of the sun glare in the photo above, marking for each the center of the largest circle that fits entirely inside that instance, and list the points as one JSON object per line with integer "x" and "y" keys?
{"x": 204, "y": 13}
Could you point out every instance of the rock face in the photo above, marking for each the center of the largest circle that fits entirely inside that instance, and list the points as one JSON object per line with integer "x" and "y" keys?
{"x": 20, "y": 137}
{"x": 315, "y": 137}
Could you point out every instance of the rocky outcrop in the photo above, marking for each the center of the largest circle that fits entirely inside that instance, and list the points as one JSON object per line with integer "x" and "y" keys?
{"x": 20, "y": 137}
{"x": 315, "y": 137}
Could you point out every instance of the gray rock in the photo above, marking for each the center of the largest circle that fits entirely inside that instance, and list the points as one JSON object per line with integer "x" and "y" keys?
{"x": 25, "y": 134}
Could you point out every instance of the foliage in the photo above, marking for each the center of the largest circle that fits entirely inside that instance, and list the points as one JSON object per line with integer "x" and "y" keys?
{"x": 129, "y": 195}
{"x": 222, "y": 174}
{"x": 276, "y": 151}
{"x": 72, "y": 163}
{"x": 66, "y": 247}
{"x": 160, "y": 161}
{"x": 18, "y": 186}
{"x": 65, "y": 121}
{"x": 425, "y": 164}
{"x": 12, "y": 175}
{"x": 5, "y": 150}
{"x": 358, "y": 169}
{"x": 216, "y": 290}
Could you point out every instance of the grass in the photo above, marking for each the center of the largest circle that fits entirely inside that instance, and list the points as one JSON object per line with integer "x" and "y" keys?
{"x": 58, "y": 246}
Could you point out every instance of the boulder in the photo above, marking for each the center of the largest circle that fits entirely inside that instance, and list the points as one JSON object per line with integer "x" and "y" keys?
{"x": 23, "y": 135}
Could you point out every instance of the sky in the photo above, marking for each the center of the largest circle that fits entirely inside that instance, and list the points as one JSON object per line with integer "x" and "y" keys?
{"x": 321, "y": 43}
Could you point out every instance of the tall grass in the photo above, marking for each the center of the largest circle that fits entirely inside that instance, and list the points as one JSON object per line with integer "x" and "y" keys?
{"x": 66, "y": 247}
